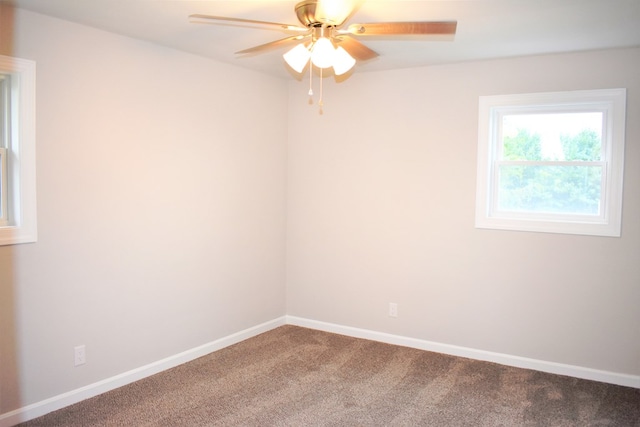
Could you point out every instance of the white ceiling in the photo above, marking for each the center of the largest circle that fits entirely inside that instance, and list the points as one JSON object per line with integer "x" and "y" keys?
{"x": 486, "y": 28}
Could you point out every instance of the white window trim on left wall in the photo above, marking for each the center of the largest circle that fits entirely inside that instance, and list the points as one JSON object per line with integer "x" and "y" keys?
{"x": 19, "y": 143}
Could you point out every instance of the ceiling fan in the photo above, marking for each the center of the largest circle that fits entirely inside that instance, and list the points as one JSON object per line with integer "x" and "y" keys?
{"x": 322, "y": 39}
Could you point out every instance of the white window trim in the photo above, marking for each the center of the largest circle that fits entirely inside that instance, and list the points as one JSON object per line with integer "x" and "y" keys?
{"x": 491, "y": 108}
{"x": 21, "y": 153}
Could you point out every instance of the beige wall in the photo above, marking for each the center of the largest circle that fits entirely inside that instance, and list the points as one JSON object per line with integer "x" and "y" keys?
{"x": 381, "y": 199}
{"x": 161, "y": 180}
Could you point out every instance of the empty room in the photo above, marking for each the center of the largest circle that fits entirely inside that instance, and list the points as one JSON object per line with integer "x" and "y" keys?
{"x": 320, "y": 212}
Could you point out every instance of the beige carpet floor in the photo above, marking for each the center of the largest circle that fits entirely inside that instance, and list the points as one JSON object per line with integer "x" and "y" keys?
{"x": 294, "y": 376}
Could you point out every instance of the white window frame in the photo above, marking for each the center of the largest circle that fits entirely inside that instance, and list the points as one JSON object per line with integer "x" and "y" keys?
{"x": 18, "y": 140}
{"x": 492, "y": 109}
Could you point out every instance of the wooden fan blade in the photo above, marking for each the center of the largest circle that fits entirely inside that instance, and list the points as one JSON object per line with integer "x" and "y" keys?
{"x": 224, "y": 20}
{"x": 403, "y": 28}
{"x": 273, "y": 44}
{"x": 355, "y": 48}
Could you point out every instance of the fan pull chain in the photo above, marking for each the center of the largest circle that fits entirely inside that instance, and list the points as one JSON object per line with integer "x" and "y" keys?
{"x": 320, "y": 102}
{"x": 310, "y": 83}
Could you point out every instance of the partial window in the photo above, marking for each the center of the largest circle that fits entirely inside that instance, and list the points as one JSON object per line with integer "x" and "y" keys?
{"x": 552, "y": 162}
{"x": 17, "y": 151}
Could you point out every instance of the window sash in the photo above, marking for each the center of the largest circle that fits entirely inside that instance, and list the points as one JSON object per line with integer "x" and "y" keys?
{"x": 499, "y": 115}
{"x": 549, "y": 214}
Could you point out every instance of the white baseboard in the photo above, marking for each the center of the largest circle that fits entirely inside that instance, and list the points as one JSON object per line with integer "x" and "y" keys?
{"x": 62, "y": 400}
{"x": 503, "y": 359}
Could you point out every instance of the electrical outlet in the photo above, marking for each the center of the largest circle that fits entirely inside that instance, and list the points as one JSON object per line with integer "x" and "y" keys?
{"x": 79, "y": 355}
{"x": 393, "y": 309}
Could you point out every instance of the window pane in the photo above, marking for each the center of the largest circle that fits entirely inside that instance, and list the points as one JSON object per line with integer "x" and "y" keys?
{"x": 550, "y": 189}
{"x": 558, "y": 136}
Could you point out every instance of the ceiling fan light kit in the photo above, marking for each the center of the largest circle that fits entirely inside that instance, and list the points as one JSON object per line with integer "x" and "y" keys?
{"x": 322, "y": 42}
{"x": 322, "y": 53}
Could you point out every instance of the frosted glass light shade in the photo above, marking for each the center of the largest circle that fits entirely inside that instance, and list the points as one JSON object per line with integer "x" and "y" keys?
{"x": 342, "y": 61}
{"x": 323, "y": 52}
{"x": 297, "y": 57}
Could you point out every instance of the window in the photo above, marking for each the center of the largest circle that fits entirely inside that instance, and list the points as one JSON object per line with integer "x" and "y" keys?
{"x": 17, "y": 151}
{"x": 552, "y": 162}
